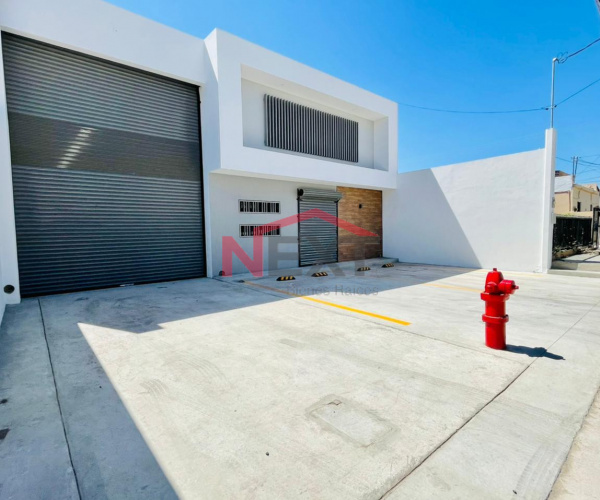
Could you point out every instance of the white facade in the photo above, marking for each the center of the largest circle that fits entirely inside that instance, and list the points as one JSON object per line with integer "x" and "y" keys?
{"x": 233, "y": 77}
{"x": 480, "y": 214}
{"x": 227, "y": 190}
{"x": 245, "y": 71}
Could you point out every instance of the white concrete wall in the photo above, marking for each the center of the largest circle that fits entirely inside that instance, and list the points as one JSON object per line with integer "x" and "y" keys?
{"x": 480, "y": 214}
{"x": 226, "y": 191}
{"x": 9, "y": 269}
{"x": 547, "y": 194}
{"x": 2, "y": 301}
{"x": 239, "y": 60}
{"x": 100, "y": 29}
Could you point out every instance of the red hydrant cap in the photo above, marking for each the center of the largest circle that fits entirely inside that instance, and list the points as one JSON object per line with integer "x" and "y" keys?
{"x": 507, "y": 286}
{"x": 496, "y": 284}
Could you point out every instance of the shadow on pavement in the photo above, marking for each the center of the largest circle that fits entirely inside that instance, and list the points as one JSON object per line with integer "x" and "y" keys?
{"x": 533, "y": 352}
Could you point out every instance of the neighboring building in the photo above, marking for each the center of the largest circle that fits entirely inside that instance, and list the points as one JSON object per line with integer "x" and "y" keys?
{"x": 569, "y": 198}
{"x": 130, "y": 151}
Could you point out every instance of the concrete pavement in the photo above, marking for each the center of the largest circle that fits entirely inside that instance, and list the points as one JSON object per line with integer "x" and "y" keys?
{"x": 580, "y": 475}
{"x": 211, "y": 389}
{"x": 33, "y": 450}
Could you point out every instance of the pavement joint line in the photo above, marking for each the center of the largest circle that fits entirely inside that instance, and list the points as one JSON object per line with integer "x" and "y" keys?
{"x": 583, "y": 420}
{"x": 62, "y": 419}
{"x": 490, "y": 402}
{"x": 332, "y": 304}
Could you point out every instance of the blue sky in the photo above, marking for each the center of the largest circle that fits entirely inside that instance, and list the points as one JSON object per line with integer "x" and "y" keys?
{"x": 452, "y": 54}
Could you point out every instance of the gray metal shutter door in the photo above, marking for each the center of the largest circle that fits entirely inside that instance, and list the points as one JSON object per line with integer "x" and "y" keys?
{"x": 106, "y": 171}
{"x": 318, "y": 239}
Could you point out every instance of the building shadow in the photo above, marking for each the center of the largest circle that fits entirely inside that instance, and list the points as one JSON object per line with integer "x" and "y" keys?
{"x": 440, "y": 238}
{"x": 146, "y": 308}
{"x": 533, "y": 352}
{"x": 109, "y": 452}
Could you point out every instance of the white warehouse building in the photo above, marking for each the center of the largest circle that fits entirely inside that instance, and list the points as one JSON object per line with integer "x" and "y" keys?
{"x": 130, "y": 151}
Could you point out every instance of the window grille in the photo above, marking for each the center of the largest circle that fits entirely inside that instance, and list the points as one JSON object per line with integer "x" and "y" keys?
{"x": 248, "y": 230}
{"x": 259, "y": 207}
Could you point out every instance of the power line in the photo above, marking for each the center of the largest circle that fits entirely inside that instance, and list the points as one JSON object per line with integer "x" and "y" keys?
{"x": 486, "y": 112}
{"x": 591, "y": 163}
{"x": 566, "y": 58}
{"x": 589, "y": 171}
{"x": 583, "y": 161}
{"x": 498, "y": 112}
{"x": 578, "y": 92}
{"x": 561, "y": 58}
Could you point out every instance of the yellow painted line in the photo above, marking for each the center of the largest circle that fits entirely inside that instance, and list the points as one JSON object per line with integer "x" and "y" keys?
{"x": 331, "y": 304}
{"x": 453, "y": 287}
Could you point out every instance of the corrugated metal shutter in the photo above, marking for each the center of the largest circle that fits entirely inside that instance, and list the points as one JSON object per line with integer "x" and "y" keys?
{"x": 318, "y": 239}
{"x": 106, "y": 171}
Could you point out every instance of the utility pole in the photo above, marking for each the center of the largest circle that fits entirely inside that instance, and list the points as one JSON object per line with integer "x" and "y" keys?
{"x": 552, "y": 105}
{"x": 575, "y": 163}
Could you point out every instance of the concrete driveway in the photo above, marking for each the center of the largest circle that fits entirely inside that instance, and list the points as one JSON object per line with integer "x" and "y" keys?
{"x": 354, "y": 386}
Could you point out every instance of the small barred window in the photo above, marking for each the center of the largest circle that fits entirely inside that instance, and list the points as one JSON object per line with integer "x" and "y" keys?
{"x": 259, "y": 207}
{"x": 248, "y": 230}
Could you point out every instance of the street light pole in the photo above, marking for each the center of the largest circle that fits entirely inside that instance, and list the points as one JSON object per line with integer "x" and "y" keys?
{"x": 552, "y": 106}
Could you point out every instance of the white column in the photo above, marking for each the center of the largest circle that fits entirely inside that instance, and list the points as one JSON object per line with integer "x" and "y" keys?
{"x": 548, "y": 217}
{"x": 9, "y": 268}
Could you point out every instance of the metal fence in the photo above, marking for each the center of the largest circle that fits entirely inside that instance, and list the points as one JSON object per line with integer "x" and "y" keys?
{"x": 595, "y": 224}
{"x": 570, "y": 232}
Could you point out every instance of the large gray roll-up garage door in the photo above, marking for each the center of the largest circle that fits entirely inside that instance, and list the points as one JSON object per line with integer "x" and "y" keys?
{"x": 318, "y": 238}
{"x": 106, "y": 171}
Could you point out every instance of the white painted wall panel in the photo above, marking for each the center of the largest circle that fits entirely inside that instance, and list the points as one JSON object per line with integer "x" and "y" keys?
{"x": 480, "y": 214}
{"x": 2, "y": 295}
{"x": 9, "y": 268}
{"x": 237, "y": 60}
{"x": 100, "y": 29}
{"x": 226, "y": 191}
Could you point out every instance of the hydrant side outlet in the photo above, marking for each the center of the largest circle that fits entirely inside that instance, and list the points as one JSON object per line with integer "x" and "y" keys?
{"x": 497, "y": 292}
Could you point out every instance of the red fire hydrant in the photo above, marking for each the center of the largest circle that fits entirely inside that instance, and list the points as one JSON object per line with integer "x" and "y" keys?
{"x": 497, "y": 292}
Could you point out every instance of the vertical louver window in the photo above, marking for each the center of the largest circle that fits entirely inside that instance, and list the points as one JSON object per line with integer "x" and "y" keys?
{"x": 302, "y": 129}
